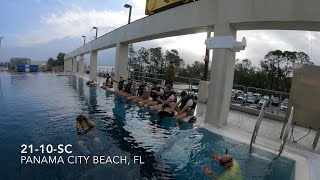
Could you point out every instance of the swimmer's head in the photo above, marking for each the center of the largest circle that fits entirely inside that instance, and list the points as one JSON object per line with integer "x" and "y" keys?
{"x": 81, "y": 117}
{"x": 142, "y": 81}
{"x": 121, "y": 78}
{"x": 129, "y": 80}
{"x": 226, "y": 160}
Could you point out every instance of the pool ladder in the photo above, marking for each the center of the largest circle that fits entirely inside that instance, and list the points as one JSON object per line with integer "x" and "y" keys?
{"x": 284, "y": 136}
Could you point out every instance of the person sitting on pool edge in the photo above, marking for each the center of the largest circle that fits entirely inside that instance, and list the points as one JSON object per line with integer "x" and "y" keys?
{"x": 232, "y": 167}
{"x": 83, "y": 124}
{"x": 121, "y": 84}
{"x": 128, "y": 89}
{"x": 165, "y": 100}
{"x": 185, "y": 107}
{"x": 155, "y": 92}
{"x": 142, "y": 92}
{"x": 108, "y": 83}
{"x": 161, "y": 95}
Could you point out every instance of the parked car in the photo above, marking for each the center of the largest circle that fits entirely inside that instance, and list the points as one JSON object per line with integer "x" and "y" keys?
{"x": 235, "y": 94}
{"x": 262, "y": 100}
{"x": 251, "y": 100}
{"x": 258, "y": 97}
{"x": 284, "y": 105}
{"x": 241, "y": 97}
{"x": 238, "y": 91}
{"x": 275, "y": 101}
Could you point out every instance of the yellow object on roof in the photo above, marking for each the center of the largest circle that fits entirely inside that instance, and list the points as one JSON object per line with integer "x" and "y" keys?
{"x": 153, "y": 6}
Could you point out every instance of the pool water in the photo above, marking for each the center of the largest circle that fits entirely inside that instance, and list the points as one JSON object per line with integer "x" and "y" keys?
{"x": 41, "y": 109}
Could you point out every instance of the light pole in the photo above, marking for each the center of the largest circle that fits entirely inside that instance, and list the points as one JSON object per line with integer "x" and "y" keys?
{"x": 206, "y": 60}
{"x": 84, "y": 40}
{"x": 96, "y": 28}
{"x": 130, "y": 9}
{"x": 0, "y": 41}
{"x": 129, "y": 21}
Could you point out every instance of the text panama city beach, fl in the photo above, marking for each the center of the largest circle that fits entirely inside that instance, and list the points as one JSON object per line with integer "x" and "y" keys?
{"x": 27, "y": 156}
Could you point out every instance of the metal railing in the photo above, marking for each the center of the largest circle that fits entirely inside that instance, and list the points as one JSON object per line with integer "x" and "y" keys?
{"x": 103, "y": 71}
{"x": 285, "y": 136}
{"x": 257, "y": 126}
{"x": 286, "y": 133}
{"x": 239, "y": 87}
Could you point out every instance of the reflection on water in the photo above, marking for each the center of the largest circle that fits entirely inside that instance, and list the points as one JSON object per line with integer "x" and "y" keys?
{"x": 0, "y": 88}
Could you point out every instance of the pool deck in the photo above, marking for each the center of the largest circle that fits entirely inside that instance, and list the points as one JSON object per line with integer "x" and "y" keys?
{"x": 240, "y": 127}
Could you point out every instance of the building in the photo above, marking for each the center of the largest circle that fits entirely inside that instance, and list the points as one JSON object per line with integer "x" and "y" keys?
{"x": 14, "y": 62}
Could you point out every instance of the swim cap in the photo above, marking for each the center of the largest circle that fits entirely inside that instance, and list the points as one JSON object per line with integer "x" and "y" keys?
{"x": 226, "y": 160}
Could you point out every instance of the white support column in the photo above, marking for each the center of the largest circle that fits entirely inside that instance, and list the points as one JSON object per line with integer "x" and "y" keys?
{"x": 68, "y": 67}
{"x": 74, "y": 65}
{"x": 93, "y": 65}
{"x": 81, "y": 65}
{"x": 221, "y": 79}
{"x": 203, "y": 91}
{"x": 64, "y": 64}
{"x": 121, "y": 61}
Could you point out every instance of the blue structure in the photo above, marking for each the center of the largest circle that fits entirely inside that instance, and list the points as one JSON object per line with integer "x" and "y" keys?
{"x": 27, "y": 68}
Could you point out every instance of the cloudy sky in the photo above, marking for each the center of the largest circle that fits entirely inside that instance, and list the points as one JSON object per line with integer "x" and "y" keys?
{"x": 39, "y": 29}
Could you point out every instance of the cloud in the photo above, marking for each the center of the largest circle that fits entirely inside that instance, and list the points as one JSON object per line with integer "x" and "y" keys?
{"x": 74, "y": 21}
{"x": 262, "y": 41}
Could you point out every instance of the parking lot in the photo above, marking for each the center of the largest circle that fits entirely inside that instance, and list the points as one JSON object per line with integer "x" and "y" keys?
{"x": 271, "y": 109}
{"x": 276, "y": 102}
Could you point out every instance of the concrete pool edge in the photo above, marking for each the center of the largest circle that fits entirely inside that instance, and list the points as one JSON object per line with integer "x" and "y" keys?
{"x": 302, "y": 158}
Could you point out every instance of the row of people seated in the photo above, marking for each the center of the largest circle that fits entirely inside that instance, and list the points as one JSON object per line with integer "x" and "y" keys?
{"x": 157, "y": 98}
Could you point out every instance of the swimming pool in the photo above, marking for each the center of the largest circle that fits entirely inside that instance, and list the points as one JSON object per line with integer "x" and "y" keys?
{"x": 41, "y": 109}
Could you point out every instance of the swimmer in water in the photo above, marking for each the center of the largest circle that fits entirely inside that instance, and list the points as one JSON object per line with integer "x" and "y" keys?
{"x": 232, "y": 168}
{"x": 83, "y": 124}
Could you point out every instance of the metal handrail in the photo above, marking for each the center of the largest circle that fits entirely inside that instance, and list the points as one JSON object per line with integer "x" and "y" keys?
{"x": 286, "y": 133}
{"x": 258, "y": 123}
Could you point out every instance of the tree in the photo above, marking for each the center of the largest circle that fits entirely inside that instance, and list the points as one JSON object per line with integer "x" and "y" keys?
{"x": 271, "y": 65}
{"x": 59, "y": 62}
{"x": 173, "y": 56}
{"x": 143, "y": 58}
{"x": 60, "y": 59}
{"x": 244, "y": 73}
{"x": 157, "y": 60}
{"x": 302, "y": 58}
{"x": 51, "y": 62}
{"x": 132, "y": 56}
